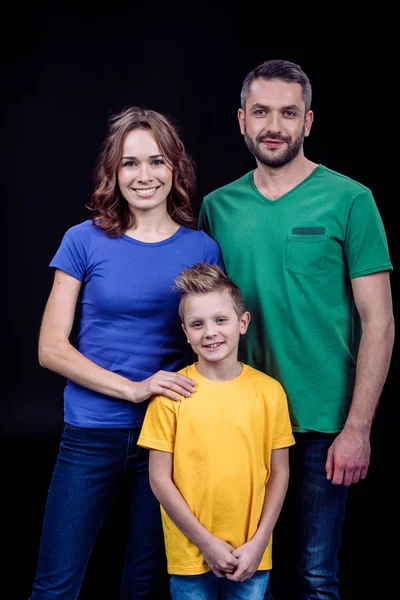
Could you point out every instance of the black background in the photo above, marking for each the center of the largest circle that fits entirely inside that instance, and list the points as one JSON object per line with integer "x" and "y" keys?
{"x": 64, "y": 74}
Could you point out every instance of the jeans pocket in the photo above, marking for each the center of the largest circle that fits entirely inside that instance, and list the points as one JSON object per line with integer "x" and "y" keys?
{"x": 306, "y": 254}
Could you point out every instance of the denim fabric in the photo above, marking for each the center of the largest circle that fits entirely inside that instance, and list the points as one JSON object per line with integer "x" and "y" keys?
{"x": 308, "y": 535}
{"x": 210, "y": 587}
{"x": 89, "y": 467}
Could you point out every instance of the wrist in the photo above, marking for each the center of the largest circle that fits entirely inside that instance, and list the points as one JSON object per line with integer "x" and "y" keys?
{"x": 129, "y": 391}
{"x": 261, "y": 539}
{"x": 202, "y": 539}
{"x": 355, "y": 426}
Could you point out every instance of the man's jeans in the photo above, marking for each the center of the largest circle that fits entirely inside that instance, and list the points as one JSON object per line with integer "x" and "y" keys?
{"x": 308, "y": 535}
{"x": 210, "y": 587}
{"x": 89, "y": 467}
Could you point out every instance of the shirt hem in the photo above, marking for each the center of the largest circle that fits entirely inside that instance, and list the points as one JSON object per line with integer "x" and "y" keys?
{"x": 182, "y": 572}
{"x": 356, "y": 274}
{"x": 103, "y": 425}
{"x": 284, "y": 443}
{"x": 155, "y": 445}
{"x": 68, "y": 271}
{"x": 298, "y": 429}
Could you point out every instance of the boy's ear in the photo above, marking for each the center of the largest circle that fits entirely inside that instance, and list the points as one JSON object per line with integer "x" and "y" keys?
{"x": 244, "y": 322}
{"x": 183, "y": 327}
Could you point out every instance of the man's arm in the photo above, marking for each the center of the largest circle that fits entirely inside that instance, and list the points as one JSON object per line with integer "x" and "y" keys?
{"x": 349, "y": 456}
{"x": 251, "y": 553}
{"x": 216, "y": 552}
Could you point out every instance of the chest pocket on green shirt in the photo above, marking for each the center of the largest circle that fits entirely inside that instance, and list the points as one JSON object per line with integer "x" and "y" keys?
{"x": 306, "y": 254}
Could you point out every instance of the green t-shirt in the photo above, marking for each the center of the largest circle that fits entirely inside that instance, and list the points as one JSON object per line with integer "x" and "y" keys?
{"x": 293, "y": 259}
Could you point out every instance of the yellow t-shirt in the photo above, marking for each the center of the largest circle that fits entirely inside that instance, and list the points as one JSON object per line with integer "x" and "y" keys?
{"x": 222, "y": 437}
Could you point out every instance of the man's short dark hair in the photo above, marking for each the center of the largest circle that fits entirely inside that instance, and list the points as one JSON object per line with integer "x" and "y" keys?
{"x": 283, "y": 70}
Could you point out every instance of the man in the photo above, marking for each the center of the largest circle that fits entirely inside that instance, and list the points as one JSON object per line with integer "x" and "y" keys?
{"x": 308, "y": 249}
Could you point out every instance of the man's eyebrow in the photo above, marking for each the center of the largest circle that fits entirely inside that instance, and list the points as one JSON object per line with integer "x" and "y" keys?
{"x": 259, "y": 105}
{"x": 291, "y": 107}
{"x": 263, "y": 106}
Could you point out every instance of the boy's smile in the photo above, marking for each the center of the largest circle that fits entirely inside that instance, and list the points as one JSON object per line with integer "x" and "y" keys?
{"x": 213, "y": 327}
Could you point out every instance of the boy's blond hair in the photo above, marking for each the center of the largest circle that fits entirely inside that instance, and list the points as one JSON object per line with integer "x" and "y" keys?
{"x": 203, "y": 278}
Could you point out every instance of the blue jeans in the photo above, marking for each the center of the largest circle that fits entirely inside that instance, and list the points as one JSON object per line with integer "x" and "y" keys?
{"x": 91, "y": 464}
{"x": 210, "y": 587}
{"x": 308, "y": 535}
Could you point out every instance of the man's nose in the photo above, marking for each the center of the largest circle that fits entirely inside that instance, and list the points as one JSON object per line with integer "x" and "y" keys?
{"x": 274, "y": 124}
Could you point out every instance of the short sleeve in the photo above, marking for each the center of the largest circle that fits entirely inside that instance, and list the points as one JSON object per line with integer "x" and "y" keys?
{"x": 283, "y": 434}
{"x": 202, "y": 220}
{"x": 212, "y": 253}
{"x": 366, "y": 247}
{"x": 72, "y": 254}
{"x": 159, "y": 425}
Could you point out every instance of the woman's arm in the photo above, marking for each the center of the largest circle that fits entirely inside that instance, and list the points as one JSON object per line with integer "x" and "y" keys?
{"x": 58, "y": 354}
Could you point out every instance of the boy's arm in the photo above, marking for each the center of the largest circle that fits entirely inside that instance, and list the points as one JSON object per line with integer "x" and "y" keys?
{"x": 251, "y": 553}
{"x": 216, "y": 552}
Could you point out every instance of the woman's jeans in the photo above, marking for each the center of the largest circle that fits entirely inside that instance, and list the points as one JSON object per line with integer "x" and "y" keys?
{"x": 210, "y": 587}
{"x": 90, "y": 465}
{"x": 307, "y": 538}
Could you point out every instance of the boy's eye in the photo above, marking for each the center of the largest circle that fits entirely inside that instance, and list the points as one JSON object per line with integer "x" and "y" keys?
{"x": 196, "y": 325}
{"x": 221, "y": 320}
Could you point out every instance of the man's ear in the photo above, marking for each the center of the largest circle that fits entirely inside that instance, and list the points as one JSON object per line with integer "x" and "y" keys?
{"x": 308, "y": 122}
{"x": 241, "y": 119}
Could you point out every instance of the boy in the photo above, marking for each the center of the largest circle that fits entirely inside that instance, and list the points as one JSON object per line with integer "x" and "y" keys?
{"x": 218, "y": 459}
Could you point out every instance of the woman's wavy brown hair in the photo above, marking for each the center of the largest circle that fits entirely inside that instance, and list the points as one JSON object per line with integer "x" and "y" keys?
{"x": 111, "y": 210}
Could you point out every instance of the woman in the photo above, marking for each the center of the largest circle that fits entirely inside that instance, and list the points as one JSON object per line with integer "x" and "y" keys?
{"x": 120, "y": 267}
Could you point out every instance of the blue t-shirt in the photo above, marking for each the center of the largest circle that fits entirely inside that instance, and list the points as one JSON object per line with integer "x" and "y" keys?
{"x": 129, "y": 321}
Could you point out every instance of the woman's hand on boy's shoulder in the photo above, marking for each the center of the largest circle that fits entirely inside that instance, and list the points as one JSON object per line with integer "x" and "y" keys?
{"x": 163, "y": 383}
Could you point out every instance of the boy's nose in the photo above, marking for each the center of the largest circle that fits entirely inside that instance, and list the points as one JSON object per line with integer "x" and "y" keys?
{"x": 210, "y": 333}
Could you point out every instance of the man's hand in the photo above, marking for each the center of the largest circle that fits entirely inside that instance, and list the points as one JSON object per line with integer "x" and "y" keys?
{"x": 348, "y": 457}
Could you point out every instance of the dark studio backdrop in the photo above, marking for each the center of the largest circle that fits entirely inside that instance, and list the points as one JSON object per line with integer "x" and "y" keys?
{"x": 64, "y": 75}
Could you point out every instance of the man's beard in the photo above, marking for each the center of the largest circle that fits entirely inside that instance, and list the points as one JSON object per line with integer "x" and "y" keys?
{"x": 279, "y": 160}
